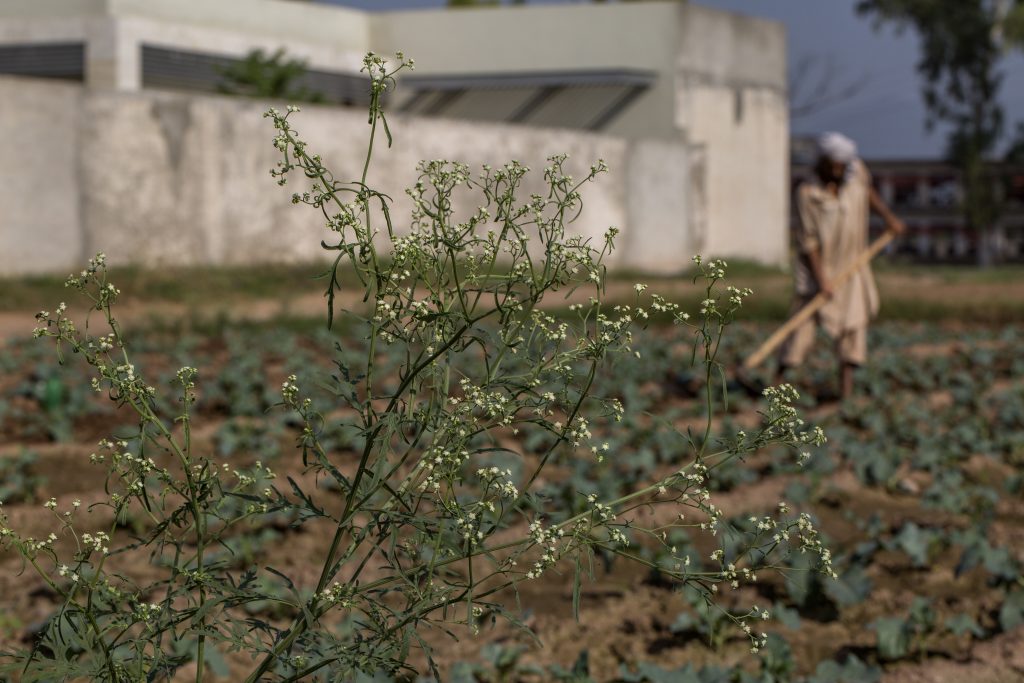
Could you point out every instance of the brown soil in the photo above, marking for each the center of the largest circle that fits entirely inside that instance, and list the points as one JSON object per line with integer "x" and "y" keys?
{"x": 625, "y": 618}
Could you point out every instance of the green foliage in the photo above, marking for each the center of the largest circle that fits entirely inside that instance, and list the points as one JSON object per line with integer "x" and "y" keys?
{"x": 56, "y": 402}
{"x": 959, "y": 62}
{"x": 18, "y": 480}
{"x": 1011, "y": 612}
{"x": 1011, "y": 25}
{"x": 272, "y": 76}
{"x": 893, "y": 637}
{"x": 500, "y": 663}
{"x": 959, "y": 624}
{"x": 853, "y": 670}
{"x": 899, "y": 637}
{"x": 851, "y": 588}
{"x": 706, "y": 620}
{"x": 916, "y": 543}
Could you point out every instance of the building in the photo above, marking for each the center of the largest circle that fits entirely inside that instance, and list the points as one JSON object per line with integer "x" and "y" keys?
{"x": 687, "y": 104}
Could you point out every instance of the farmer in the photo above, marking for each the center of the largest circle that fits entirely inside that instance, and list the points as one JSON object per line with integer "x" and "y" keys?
{"x": 832, "y": 230}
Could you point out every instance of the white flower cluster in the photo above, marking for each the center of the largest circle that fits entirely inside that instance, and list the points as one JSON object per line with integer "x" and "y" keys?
{"x": 96, "y": 543}
{"x": 147, "y": 612}
{"x": 65, "y": 327}
{"x": 469, "y": 528}
{"x": 107, "y": 294}
{"x": 611, "y": 233}
{"x": 578, "y": 431}
{"x": 438, "y": 464}
{"x": 733, "y": 574}
{"x": 187, "y": 376}
{"x": 612, "y": 333}
{"x": 96, "y": 264}
{"x": 107, "y": 445}
{"x": 710, "y": 270}
{"x": 736, "y": 296}
{"x": 376, "y": 67}
{"x": 477, "y": 401}
{"x": 501, "y": 480}
{"x": 290, "y": 390}
{"x": 33, "y": 545}
{"x": 103, "y": 343}
{"x": 660, "y": 305}
{"x": 548, "y": 540}
{"x": 122, "y": 380}
{"x": 65, "y": 572}
{"x": 284, "y": 140}
{"x": 758, "y": 640}
{"x": 140, "y": 465}
{"x": 548, "y": 328}
{"x": 347, "y": 217}
{"x": 782, "y": 421}
{"x": 336, "y": 595}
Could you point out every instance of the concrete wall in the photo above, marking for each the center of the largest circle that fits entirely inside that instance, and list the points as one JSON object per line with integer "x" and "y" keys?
{"x": 731, "y": 101}
{"x": 535, "y": 38}
{"x": 721, "y": 89}
{"x": 274, "y": 19}
{"x": 718, "y": 110}
{"x": 157, "y": 178}
{"x": 328, "y": 37}
{"x": 40, "y": 195}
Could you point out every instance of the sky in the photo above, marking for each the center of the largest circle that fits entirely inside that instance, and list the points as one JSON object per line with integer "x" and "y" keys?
{"x": 886, "y": 115}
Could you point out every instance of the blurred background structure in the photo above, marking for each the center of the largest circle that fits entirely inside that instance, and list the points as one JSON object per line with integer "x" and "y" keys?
{"x": 928, "y": 194}
{"x": 121, "y": 129}
{"x": 124, "y": 126}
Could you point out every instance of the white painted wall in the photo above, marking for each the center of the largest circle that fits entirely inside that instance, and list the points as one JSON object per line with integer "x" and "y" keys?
{"x": 158, "y": 178}
{"x": 274, "y": 19}
{"x": 717, "y": 108}
{"x": 532, "y": 38}
{"x": 40, "y": 197}
{"x": 731, "y": 101}
{"x": 327, "y": 37}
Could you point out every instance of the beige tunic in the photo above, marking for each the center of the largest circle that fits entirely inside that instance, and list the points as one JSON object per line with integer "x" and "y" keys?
{"x": 838, "y": 226}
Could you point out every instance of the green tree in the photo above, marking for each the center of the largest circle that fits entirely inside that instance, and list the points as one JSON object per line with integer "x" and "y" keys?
{"x": 1012, "y": 28}
{"x": 960, "y": 53}
{"x": 268, "y": 76}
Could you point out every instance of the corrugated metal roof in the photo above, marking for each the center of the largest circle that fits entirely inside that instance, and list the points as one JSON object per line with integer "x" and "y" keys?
{"x": 584, "y": 99}
{"x": 532, "y": 79}
{"x": 579, "y": 107}
{"x": 478, "y": 105}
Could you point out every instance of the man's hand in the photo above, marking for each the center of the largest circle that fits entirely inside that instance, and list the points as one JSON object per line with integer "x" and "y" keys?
{"x": 895, "y": 225}
{"x": 818, "y": 270}
{"x": 892, "y": 223}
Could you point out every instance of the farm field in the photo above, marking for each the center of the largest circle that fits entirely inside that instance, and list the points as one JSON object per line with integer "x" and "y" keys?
{"x": 204, "y": 296}
{"x": 919, "y": 493}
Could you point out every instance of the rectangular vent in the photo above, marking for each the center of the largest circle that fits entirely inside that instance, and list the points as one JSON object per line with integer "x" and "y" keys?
{"x": 44, "y": 60}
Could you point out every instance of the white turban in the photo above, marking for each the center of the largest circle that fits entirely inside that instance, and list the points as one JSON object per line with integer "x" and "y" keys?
{"x": 837, "y": 147}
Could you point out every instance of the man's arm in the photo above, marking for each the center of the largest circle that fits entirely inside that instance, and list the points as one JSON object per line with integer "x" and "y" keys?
{"x": 892, "y": 221}
{"x": 814, "y": 258}
{"x": 808, "y": 239}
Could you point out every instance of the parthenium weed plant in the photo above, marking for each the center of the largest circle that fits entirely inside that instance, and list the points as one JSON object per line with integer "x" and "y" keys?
{"x": 426, "y": 532}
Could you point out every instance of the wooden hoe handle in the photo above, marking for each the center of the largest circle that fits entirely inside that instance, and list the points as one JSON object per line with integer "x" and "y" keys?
{"x": 812, "y": 306}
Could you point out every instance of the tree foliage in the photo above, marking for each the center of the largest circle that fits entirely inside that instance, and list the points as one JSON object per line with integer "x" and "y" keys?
{"x": 269, "y": 76}
{"x": 960, "y": 54}
{"x": 1012, "y": 28}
